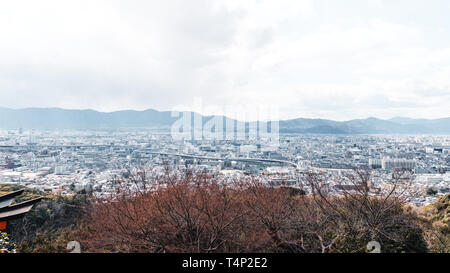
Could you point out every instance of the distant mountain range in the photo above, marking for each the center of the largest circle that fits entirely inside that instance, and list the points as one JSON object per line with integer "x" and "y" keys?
{"x": 56, "y": 118}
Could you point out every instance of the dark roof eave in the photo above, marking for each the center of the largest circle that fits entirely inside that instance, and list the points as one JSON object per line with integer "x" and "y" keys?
{"x": 13, "y": 216}
{"x": 11, "y": 195}
{"x": 20, "y": 205}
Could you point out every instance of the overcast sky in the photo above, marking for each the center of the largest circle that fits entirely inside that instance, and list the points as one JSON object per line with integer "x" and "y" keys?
{"x": 310, "y": 58}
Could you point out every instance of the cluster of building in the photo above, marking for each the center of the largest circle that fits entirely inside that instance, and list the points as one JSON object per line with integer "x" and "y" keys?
{"x": 70, "y": 161}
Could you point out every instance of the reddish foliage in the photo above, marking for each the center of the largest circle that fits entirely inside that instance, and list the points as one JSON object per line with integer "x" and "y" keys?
{"x": 203, "y": 213}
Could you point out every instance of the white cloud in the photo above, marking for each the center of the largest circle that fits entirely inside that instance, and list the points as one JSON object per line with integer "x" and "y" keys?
{"x": 308, "y": 57}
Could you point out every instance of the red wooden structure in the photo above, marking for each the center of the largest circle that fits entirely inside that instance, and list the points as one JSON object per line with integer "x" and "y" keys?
{"x": 10, "y": 212}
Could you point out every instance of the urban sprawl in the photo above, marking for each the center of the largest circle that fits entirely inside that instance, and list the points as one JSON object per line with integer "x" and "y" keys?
{"x": 65, "y": 162}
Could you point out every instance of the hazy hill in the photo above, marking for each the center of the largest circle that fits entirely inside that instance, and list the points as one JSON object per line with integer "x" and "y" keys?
{"x": 56, "y": 118}
{"x": 367, "y": 126}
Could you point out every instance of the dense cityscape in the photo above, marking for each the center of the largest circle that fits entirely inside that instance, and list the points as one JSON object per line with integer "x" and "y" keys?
{"x": 225, "y": 136}
{"x": 65, "y": 162}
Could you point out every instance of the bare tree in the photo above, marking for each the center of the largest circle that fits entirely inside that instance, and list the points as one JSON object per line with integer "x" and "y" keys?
{"x": 202, "y": 212}
{"x": 358, "y": 207}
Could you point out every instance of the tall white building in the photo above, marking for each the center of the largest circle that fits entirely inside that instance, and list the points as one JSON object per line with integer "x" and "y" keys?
{"x": 388, "y": 163}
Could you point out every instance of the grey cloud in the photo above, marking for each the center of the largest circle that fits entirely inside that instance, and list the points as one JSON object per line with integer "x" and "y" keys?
{"x": 111, "y": 55}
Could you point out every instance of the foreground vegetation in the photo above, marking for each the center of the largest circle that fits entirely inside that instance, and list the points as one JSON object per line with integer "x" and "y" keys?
{"x": 202, "y": 213}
